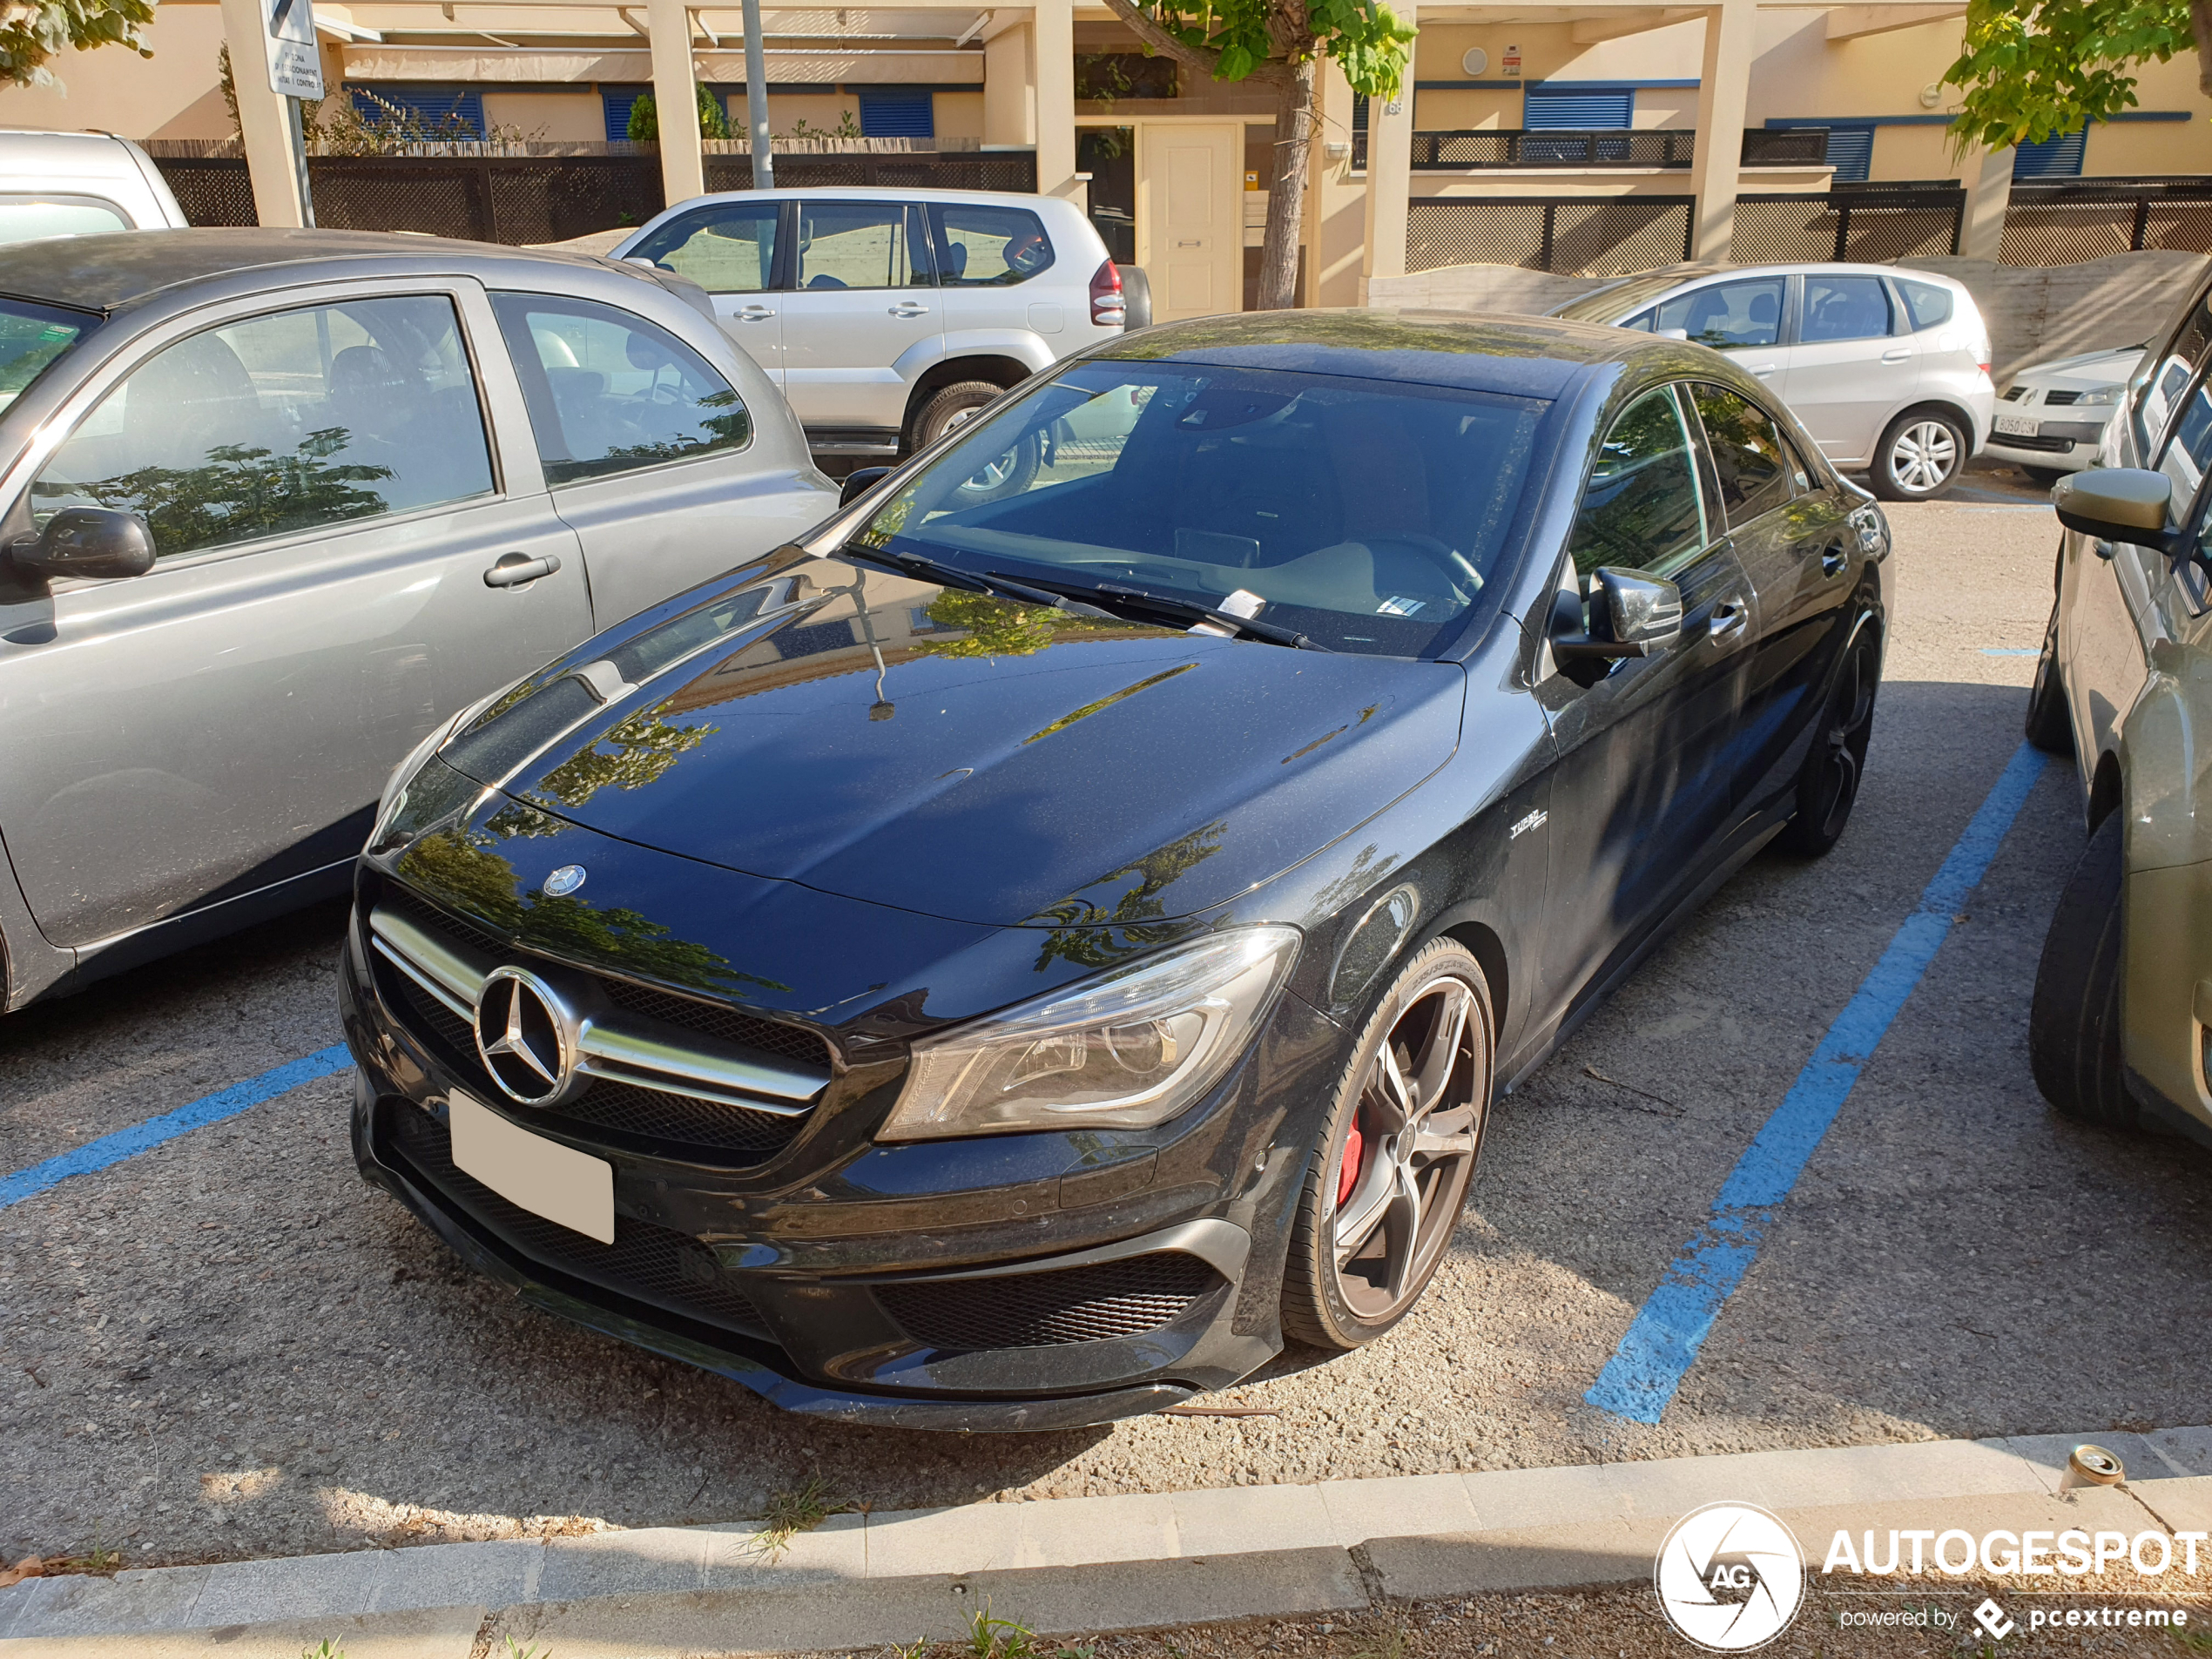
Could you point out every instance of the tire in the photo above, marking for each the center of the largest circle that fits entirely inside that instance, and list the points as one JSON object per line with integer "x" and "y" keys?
{"x": 1136, "y": 298}
{"x": 2073, "y": 1023}
{"x": 1920, "y": 456}
{"x": 2041, "y": 477}
{"x": 1363, "y": 1167}
{"x": 952, "y": 408}
{"x": 2048, "y": 726}
{"x": 1828, "y": 783}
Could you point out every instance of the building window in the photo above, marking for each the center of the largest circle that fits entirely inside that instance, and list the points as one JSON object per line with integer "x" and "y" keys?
{"x": 1547, "y": 107}
{"x": 436, "y": 112}
{"x": 616, "y": 101}
{"x": 2057, "y": 156}
{"x": 895, "y": 113}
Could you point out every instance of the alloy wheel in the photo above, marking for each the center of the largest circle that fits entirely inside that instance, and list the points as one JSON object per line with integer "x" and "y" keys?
{"x": 1409, "y": 1150}
{"x": 1924, "y": 456}
{"x": 1843, "y": 738}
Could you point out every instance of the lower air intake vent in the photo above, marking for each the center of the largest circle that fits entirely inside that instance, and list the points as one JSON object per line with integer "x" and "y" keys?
{"x": 1090, "y": 1304}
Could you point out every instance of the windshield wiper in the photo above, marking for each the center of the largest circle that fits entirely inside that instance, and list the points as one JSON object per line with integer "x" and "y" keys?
{"x": 957, "y": 576}
{"x": 1128, "y": 598}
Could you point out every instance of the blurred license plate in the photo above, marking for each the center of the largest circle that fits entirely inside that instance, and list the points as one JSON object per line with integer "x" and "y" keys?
{"x": 544, "y": 1176}
{"x": 2020, "y": 426}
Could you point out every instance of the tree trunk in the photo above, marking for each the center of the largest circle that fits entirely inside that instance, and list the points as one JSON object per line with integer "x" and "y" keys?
{"x": 1286, "y": 194}
{"x": 2201, "y": 25}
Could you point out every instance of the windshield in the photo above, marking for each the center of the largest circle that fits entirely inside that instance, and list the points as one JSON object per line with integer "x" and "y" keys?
{"x": 32, "y": 338}
{"x": 1608, "y": 304}
{"x": 1366, "y": 514}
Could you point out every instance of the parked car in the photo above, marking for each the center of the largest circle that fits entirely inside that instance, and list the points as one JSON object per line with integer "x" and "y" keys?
{"x": 275, "y": 502}
{"x": 1008, "y": 963}
{"x": 77, "y": 183}
{"x": 2123, "y": 1013}
{"x": 1888, "y": 369}
{"x": 2084, "y": 392}
{"x": 890, "y": 316}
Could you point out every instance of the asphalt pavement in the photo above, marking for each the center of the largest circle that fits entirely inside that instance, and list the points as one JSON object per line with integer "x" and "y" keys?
{"x": 227, "y": 1346}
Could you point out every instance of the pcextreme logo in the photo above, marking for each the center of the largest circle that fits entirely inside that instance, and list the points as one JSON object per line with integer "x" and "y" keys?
{"x": 1729, "y": 1577}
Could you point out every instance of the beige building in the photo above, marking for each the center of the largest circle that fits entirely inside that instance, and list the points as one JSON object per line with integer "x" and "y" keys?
{"x": 1595, "y": 137}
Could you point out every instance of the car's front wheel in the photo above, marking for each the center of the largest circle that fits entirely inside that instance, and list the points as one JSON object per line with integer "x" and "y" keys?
{"x": 1828, "y": 784}
{"x": 1392, "y": 1164}
{"x": 1919, "y": 456}
{"x": 953, "y": 407}
{"x": 2074, "y": 1021}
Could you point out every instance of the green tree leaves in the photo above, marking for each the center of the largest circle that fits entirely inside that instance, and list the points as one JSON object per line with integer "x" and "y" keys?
{"x": 36, "y": 29}
{"x": 2034, "y": 68}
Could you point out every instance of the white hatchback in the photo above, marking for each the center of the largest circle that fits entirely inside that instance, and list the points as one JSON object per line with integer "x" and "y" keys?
{"x": 890, "y": 316}
{"x": 1887, "y": 369}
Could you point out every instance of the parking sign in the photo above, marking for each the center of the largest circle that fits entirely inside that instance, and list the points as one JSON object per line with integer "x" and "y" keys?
{"x": 295, "y": 69}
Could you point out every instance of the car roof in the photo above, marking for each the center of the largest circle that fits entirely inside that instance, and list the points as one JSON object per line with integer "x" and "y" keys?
{"x": 1700, "y": 270}
{"x": 107, "y": 272}
{"x": 24, "y": 152}
{"x": 869, "y": 193}
{"x": 1467, "y": 350}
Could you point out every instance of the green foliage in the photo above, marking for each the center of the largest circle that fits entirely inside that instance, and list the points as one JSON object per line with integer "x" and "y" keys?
{"x": 2032, "y": 68}
{"x": 995, "y": 627}
{"x": 1243, "y": 36}
{"x": 990, "y": 1638}
{"x": 325, "y": 1649}
{"x": 789, "y": 1513}
{"x": 633, "y": 753}
{"x": 36, "y": 29}
{"x": 644, "y": 117}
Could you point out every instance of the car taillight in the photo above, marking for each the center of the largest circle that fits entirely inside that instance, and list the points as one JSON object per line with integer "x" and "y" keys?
{"x": 1107, "y": 308}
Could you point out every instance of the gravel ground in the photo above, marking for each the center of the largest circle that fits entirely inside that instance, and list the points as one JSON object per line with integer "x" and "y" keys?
{"x": 229, "y": 1347}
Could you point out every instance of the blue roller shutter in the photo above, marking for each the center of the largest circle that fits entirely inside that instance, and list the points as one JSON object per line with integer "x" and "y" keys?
{"x": 435, "y": 106}
{"x": 895, "y": 113}
{"x": 616, "y": 100}
{"x": 2057, "y": 156}
{"x": 1544, "y": 107}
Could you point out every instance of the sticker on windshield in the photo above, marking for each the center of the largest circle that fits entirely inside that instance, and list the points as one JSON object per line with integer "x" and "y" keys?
{"x": 1398, "y": 606}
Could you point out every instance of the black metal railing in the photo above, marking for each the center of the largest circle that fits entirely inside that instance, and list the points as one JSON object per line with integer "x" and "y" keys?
{"x": 2064, "y": 222}
{"x": 1486, "y": 148}
{"x": 1862, "y": 222}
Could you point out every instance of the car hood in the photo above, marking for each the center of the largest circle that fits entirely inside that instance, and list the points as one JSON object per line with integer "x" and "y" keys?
{"x": 2088, "y": 368}
{"x": 949, "y": 753}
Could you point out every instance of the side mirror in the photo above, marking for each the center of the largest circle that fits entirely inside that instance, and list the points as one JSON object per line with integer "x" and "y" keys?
{"x": 2117, "y": 504}
{"x": 1631, "y": 615}
{"x": 857, "y": 483}
{"x": 96, "y": 541}
{"x": 1675, "y": 333}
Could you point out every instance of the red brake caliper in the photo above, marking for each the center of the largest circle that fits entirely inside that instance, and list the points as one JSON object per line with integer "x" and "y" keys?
{"x": 1348, "y": 1170}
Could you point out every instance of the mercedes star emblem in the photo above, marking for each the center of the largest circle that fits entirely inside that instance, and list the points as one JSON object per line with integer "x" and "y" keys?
{"x": 526, "y": 1035}
{"x": 563, "y": 881}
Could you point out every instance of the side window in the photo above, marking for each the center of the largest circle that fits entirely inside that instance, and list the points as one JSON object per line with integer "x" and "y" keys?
{"x": 610, "y": 392}
{"x": 861, "y": 245}
{"x": 1641, "y": 508}
{"x": 1926, "y": 306}
{"x": 1641, "y": 322}
{"x": 1726, "y": 315}
{"x": 283, "y": 422}
{"x": 2163, "y": 390}
{"x": 23, "y": 218}
{"x": 1844, "y": 307}
{"x": 982, "y": 247}
{"x": 729, "y": 249}
{"x": 1749, "y": 458}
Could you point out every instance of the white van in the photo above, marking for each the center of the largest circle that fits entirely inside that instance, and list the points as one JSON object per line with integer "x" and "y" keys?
{"x": 78, "y": 183}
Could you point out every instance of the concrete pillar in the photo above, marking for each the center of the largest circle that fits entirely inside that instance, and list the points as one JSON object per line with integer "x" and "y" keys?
{"x": 1335, "y": 215}
{"x": 1010, "y": 85}
{"x": 1389, "y": 177}
{"x": 1989, "y": 194}
{"x": 1724, "y": 92}
{"x": 683, "y": 165}
{"x": 1054, "y": 30}
{"x": 264, "y": 122}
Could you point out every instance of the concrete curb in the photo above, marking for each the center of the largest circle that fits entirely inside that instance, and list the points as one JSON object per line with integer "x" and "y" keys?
{"x": 1078, "y": 1564}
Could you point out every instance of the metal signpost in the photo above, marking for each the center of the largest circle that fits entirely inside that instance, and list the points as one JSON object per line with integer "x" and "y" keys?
{"x": 295, "y": 72}
{"x": 756, "y": 100}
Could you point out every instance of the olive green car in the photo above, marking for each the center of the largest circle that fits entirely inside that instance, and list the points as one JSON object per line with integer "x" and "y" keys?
{"x": 2119, "y": 1031}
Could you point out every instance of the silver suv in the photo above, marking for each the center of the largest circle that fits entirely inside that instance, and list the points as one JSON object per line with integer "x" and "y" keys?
{"x": 1888, "y": 369}
{"x": 889, "y": 316}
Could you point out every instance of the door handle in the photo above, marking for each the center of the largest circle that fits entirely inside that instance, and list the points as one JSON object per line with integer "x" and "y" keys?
{"x": 1728, "y": 619}
{"x": 1832, "y": 562}
{"x": 755, "y": 314}
{"x": 1761, "y": 368}
{"x": 908, "y": 308}
{"x": 1897, "y": 354}
{"x": 518, "y": 569}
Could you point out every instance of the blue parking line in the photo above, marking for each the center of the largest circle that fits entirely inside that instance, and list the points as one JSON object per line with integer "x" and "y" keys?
{"x": 1663, "y": 1341}
{"x": 141, "y": 1137}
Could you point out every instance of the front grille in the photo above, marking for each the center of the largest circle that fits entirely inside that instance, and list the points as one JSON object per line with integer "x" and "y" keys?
{"x": 2060, "y": 398}
{"x": 647, "y": 1262}
{"x": 2013, "y": 394}
{"x": 619, "y": 1115}
{"x": 1090, "y": 1304}
{"x": 2016, "y": 441}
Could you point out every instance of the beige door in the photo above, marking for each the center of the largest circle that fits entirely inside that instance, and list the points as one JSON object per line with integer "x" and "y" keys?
{"x": 1190, "y": 206}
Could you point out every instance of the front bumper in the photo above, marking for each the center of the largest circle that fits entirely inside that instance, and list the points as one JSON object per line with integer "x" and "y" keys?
{"x": 1068, "y": 1299}
{"x": 2062, "y": 446}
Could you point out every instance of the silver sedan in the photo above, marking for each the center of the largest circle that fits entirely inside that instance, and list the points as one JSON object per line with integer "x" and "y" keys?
{"x": 276, "y": 502}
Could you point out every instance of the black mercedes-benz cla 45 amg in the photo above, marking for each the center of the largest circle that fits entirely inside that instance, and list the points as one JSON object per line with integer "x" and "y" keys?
{"x": 1015, "y": 958}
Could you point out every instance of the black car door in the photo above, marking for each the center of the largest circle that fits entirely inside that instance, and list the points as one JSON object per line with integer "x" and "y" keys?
{"x": 1642, "y": 792}
{"x": 1792, "y": 535}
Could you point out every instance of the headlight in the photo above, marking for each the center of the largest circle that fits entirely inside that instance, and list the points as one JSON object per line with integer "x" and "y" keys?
{"x": 1126, "y": 1050}
{"x": 393, "y": 802}
{"x": 2104, "y": 395}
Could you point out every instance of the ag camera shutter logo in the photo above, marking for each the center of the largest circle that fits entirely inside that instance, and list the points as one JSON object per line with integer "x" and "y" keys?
{"x": 1730, "y": 1577}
